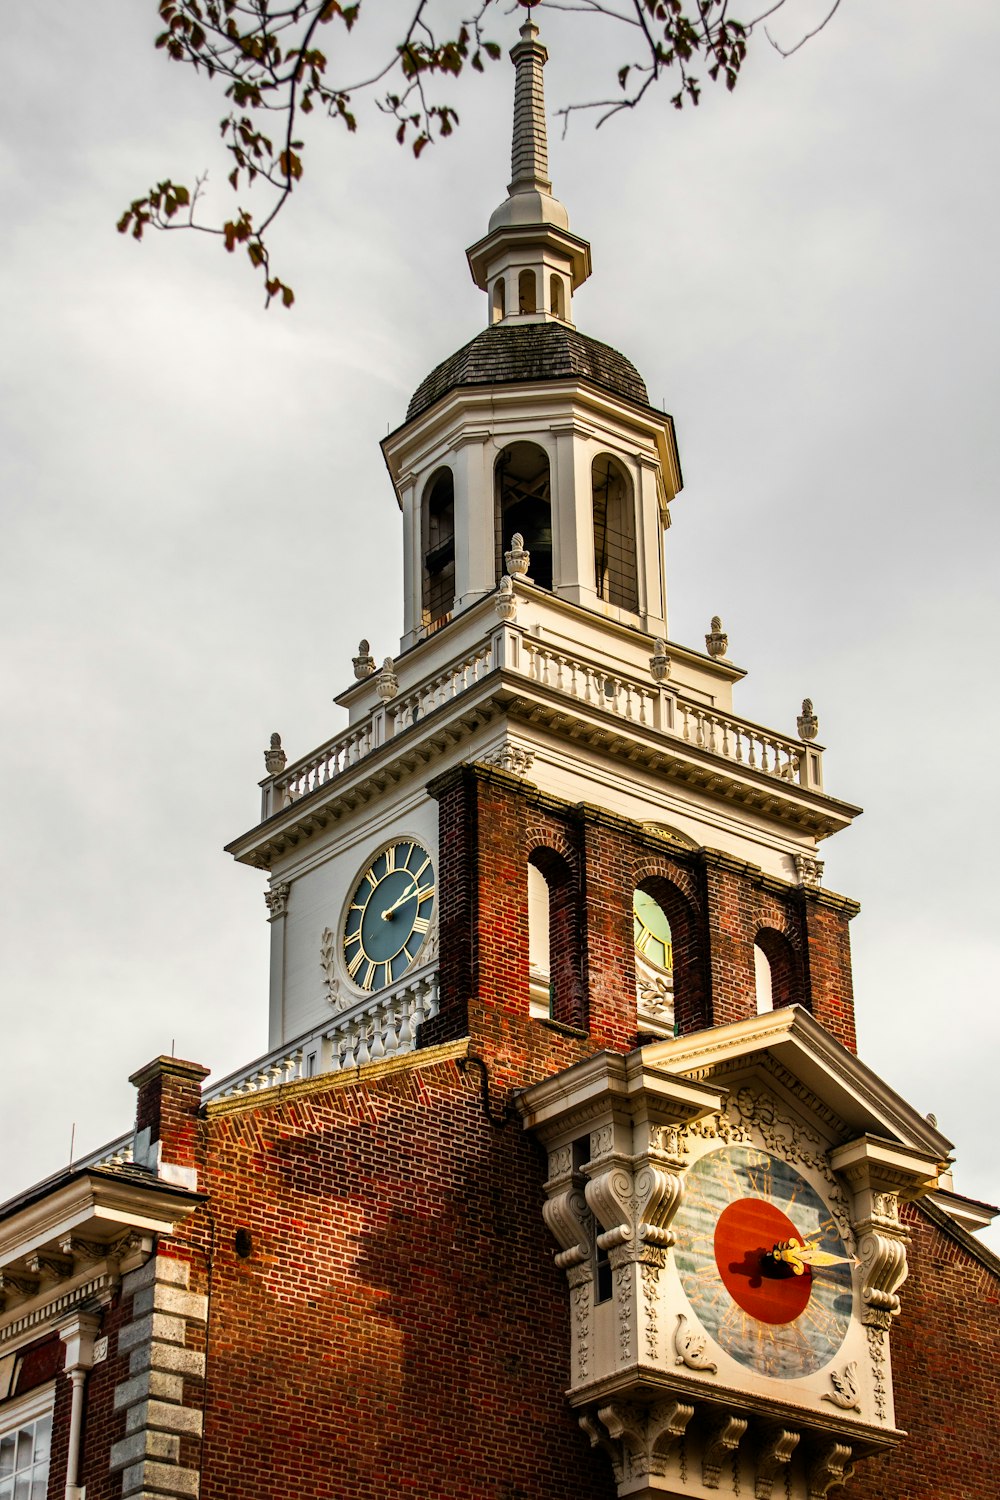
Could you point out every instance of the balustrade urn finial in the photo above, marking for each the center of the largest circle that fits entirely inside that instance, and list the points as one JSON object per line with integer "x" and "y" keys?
{"x": 364, "y": 662}
{"x": 807, "y": 722}
{"x": 659, "y": 662}
{"x": 388, "y": 683}
{"x": 717, "y": 641}
{"x": 518, "y": 559}
{"x": 506, "y": 600}
{"x": 275, "y": 758}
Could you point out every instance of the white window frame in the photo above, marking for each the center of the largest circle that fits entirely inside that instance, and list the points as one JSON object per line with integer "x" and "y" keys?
{"x": 20, "y": 1410}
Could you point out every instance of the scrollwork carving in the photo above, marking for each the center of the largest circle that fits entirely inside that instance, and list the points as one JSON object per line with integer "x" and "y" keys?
{"x": 831, "y": 1466}
{"x": 876, "y": 1351}
{"x": 845, "y": 1388}
{"x": 883, "y": 1271}
{"x": 775, "y": 1451}
{"x": 721, "y": 1443}
{"x": 691, "y": 1348}
{"x": 277, "y": 899}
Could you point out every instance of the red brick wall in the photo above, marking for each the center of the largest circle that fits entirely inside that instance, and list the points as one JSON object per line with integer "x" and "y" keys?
{"x": 946, "y": 1375}
{"x": 718, "y": 907}
{"x": 400, "y": 1327}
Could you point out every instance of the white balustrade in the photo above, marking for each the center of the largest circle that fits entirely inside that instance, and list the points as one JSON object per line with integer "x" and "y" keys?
{"x": 746, "y": 744}
{"x": 115, "y": 1154}
{"x": 639, "y": 702}
{"x": 441, "y": 688}
{"x": 592, "y": 685}
{"x": 329, "y": 761}
{"x": 371, "y": 1031}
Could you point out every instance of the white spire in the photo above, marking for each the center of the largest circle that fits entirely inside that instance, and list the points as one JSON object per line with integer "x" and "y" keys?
{"x": 529, "y": 263}
{"x": 529, "y": 156}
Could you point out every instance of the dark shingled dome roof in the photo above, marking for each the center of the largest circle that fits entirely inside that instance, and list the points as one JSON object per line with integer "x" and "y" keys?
{"x": 508, "y": 353}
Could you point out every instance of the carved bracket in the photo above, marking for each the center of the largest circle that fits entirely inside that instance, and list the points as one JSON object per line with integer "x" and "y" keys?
{"x": 721, "y": 1443}
{"x": 640, "y": 1441}
{"x": 775, "y": 1451}
{"x": 831, "y": 1466}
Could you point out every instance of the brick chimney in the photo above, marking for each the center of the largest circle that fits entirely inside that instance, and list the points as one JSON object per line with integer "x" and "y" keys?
{"x": 166, "y": 1117}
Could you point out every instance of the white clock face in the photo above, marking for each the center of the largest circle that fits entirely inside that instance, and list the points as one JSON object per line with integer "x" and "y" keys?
{"x": 389, "y": 915}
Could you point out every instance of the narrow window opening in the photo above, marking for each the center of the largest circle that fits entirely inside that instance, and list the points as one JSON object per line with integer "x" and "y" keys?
{"x": 556, "y": 297}
{"x": 527, "y": 292}
{"x": 762, "y": 980}
{"x": 539, "y": 970}
{"x": 438, "y": 535}
{"x": 654, "y": 965}
{"x": 499, "y": 299}
{"x": 615, "y": 571}
{"x": 523, "y": 506}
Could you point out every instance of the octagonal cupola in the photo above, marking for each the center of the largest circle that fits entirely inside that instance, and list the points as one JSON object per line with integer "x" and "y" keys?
{"x": 529, "y": 264}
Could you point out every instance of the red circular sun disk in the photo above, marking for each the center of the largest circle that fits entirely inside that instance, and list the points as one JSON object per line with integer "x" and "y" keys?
{"x": 746, "y": 1231}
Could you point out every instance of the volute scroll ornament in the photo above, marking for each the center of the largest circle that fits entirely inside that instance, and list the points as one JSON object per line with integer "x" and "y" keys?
{"x": 721, "y": 1444}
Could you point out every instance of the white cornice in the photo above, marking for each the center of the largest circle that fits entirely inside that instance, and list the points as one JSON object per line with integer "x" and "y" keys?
{"x": 95, "y": 1206}
{"x": 862, "y": 1099}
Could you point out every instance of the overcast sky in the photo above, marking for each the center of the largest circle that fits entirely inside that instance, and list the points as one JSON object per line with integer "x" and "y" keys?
{"x": 198, "y": 526}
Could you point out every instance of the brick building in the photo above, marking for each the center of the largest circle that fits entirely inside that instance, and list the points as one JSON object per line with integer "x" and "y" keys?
{"x": 562, "y": 1177}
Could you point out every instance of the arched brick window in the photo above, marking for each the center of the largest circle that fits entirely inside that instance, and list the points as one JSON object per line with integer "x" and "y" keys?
{"x": 670, "y": 918}
{"x": 553, "y": 940}
{"x": 777, "y": 971}
{"x": 523, "y": 507}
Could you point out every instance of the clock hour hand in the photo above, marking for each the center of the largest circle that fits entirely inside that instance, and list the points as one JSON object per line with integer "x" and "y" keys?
{"x": 798, "y": 1254}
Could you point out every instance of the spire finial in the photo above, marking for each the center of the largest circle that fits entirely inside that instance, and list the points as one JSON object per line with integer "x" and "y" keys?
{"x": 529, "y": 156}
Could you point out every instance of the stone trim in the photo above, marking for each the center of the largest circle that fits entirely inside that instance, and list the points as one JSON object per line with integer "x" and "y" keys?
{"x": 321, "y": 1083}
{"x": 153, "y": 1396}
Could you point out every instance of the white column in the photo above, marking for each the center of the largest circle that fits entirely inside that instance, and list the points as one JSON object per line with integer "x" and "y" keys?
{"x": 649, "y": 549}
{"x": 475, "y": 565}
{"x": 573, "y": 516}
{"x": 409, "y": 495}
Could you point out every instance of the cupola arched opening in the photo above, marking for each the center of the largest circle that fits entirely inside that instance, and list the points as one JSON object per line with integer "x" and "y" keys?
{"x": 667, "y": 955}
{"x": 557, "y": 303}
{"x": 553, "y": 946}
{"x": 527, "y": 292}
{"x": 615, "y": 570}
{"x": 523, "y": 507}
{"x": 499, "y": 299}
{"x": 437, "y": 546}
{"x": 776, "y": 971}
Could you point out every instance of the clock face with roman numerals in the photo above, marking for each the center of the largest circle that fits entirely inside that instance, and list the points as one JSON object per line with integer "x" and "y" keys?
{"x": 389, "y": 915}
{"x": 740, "y": 1206}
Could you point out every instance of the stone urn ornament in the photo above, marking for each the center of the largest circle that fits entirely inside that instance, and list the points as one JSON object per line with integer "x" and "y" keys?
{"x": 275, "y": 758}
{"x": 506, "y": 601}
{"x": 659, "y": 662}
{"x": 807, "y": 722}
{"x": 364, "y": 662}
{"x": 717, "y": 641}
{"x": 387, "y": 685}
{"x": 518, "y": 559}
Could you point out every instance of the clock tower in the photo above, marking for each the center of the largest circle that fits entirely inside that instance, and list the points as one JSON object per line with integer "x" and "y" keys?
{"x": 561, "y": 1178}
{"x": 548, "y": 837}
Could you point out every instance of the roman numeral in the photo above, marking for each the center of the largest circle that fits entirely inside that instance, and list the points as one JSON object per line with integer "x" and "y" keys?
{"x": 421, "y": 924}
{"x": 356, "y": 962}
{"x": 369, "y": 978}
{"x": 390, "y": 859}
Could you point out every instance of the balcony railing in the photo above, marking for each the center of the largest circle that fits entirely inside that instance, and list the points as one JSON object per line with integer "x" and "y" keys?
{"x": 372, "y": 1030}
{"x": 643, "y": 704}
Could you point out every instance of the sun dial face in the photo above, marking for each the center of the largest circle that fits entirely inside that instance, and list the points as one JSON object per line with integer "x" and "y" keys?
{"x": 764, "y": 1304}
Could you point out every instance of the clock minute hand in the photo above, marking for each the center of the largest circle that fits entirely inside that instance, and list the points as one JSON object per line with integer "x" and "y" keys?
{"x": 400, "y": 901}
{"x": 799, "y": 1254}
